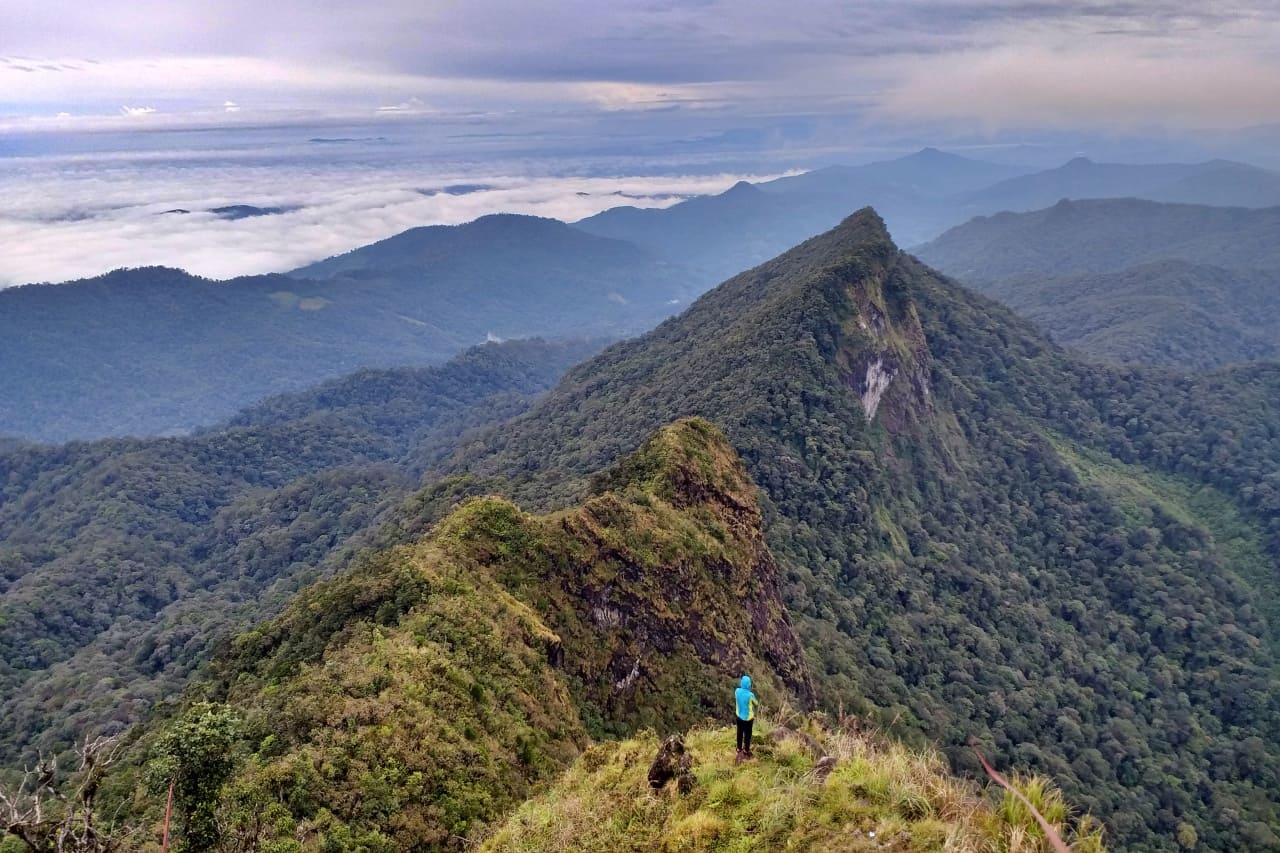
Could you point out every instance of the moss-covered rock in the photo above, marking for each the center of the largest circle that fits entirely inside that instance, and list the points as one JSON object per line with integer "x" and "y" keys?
{"x": 661, "y": 584}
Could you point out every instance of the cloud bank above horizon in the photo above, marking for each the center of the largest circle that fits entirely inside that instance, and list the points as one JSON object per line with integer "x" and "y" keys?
{"x": 995, "y": 63}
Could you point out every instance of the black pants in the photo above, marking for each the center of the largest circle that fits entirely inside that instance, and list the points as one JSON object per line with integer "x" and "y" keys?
{"x": 744, "y": 734}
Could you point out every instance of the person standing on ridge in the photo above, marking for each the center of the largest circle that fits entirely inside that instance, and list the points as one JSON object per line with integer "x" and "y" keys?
{"x": 745, "y": 703}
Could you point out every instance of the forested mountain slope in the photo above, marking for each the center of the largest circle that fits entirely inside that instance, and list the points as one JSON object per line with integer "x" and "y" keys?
{"x": 406, "y": 704}
{"x": 952, "y": 567}
{"x": 159, "y": 352}
{"x": 1170, "y": 313}
{"x": 503, "y": 274}
{"x": 123, "y": 561}
{"x": 1129, "y": 281}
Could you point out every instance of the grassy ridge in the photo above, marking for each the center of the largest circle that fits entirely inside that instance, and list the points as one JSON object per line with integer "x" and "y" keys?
{"x": 880, "y": 796}
{"x": 409, "y": 703}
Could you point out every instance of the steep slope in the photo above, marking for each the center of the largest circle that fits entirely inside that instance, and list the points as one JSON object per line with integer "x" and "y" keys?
{"x": 947, "y": 570}
{"x": 1167, "y": 313}
{"x": 406, "y": 704}
{"x": 123, "y": 561}
{"x": 1217, "y": 182}
{"x": 159, "y": 352}
{"x": 1105, "y": 235}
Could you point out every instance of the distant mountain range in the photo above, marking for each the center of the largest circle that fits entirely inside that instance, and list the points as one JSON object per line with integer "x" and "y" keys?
{"x": 157, "y": 351}
{"x": 919, "y": 196}
{"x": 1131, "y": 281}
{"x": 1105, "y": 235}
{"x": 1217, "y": 182}
{"x": 750, "y": 223}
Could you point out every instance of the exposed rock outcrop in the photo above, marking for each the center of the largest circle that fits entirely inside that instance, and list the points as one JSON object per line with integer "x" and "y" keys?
{"x": 661, "y": 585}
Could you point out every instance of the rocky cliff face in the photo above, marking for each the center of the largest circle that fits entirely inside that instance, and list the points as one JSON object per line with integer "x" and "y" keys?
{"x": 883, "y": 351}
{"x": 660, "y": 584}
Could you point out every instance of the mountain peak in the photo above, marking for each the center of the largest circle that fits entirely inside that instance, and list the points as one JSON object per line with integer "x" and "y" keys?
{"x": 686, "y": 463}
{"x": 860, "y": 238}
{"x": 863, "y": 226}
{"x": 929, "y": 154}
{"x": 487, "y": 225}
{"x": 742, "y": 188}
{"x": 514, "y": 221}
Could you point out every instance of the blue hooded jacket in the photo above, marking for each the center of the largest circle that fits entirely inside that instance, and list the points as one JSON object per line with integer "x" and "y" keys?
{"x": 745, "y": 700}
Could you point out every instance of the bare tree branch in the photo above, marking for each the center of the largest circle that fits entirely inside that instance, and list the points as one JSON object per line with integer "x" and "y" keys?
{"x": 48, "y": 815}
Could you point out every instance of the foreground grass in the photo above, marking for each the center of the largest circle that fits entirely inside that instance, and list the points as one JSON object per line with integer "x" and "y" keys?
{"x": 881, "y": 796}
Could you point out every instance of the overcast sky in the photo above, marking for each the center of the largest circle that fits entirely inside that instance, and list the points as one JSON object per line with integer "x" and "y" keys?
{"x": 555, "y": 107}
{"x": 994, "y": 64}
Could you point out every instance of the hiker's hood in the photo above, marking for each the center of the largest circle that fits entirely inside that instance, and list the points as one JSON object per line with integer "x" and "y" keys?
{"x": 746, "y": 682}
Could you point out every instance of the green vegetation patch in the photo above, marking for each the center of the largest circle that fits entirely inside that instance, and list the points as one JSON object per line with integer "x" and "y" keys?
{"x": 414, "y": 731}
{"x": 1140, "y": 494}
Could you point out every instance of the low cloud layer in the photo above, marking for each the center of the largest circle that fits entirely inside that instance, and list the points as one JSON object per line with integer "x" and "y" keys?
{"x": 79, "y": 216}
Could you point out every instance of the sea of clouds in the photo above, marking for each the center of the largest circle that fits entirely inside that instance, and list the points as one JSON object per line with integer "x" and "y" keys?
{"x": 78, "y": 214}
